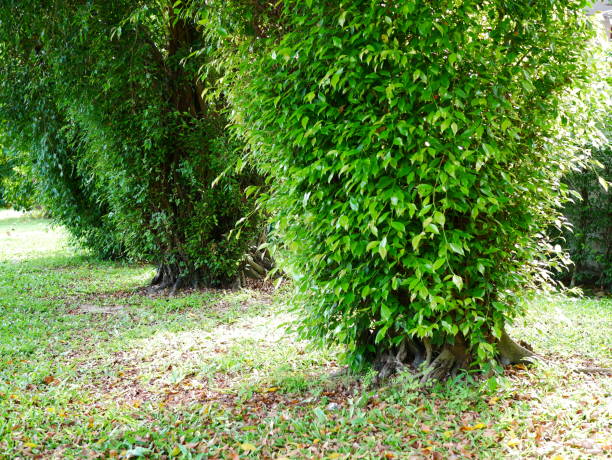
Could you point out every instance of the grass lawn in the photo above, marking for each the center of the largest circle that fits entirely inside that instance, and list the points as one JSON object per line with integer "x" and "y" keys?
{"x": 91, "y": 367}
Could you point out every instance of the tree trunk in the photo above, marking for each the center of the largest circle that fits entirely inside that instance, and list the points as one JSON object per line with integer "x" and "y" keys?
{"x": 184, "y": 98}
{"x": 440, "y": 362}
{"x": 257, "y": 264}
{"x": 171, "y": 277}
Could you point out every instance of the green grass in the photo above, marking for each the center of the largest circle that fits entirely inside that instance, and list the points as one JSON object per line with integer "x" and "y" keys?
{"x": 91, "y": 367}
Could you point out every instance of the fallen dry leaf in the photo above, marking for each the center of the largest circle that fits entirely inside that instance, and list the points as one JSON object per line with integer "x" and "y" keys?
{"x": 478, "y": 426}
{"x": 513, "y": 442}
{"x": 248, "y": 447}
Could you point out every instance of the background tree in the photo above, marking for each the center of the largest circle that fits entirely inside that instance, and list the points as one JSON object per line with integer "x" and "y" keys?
{"x": 34, "y": 125}
{"x": 150, "y": 145}
{"x": 589, "y": 239}
{"x": 415, "y": 152}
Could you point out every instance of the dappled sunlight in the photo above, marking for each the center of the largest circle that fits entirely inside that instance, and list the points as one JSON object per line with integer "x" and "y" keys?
{"x": 564, "y": 409}
{"x": 111, "y": 280}
{"x": 11, "y": 216}
{"x": 204, "y": 364}
{"x": 554, "y": 325}
{"x": 84, "y": 350}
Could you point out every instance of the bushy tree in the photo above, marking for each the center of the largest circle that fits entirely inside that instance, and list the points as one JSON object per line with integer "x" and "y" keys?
{"x": 131, "y": 104}
{"x": 415, "y": 151}
{"x": 588, "y": 235}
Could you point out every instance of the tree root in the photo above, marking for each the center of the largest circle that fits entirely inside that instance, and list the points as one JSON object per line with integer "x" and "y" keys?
{"x": 594, "y": 370}
{"x": 440, "y": 368}
{"x": 170, "y": 278}
{"x": 257, "y": 263}
{"x": 177, "y": 285}
{"x": 511, "y": 352}
{"x": 431, "y": 362}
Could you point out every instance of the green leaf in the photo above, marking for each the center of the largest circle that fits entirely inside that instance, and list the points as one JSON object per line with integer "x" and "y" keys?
{"x": 603, "y": 183}
{"x": 400, "y": 227}
{"x": 432, "y": 228}
{"x": 416, "y": 241}
{"x": 439, "y": 218}
{"x": 380, "y": 335}
{"x": 438, "y": 263}
{"x": 424, "y": 189}
{"x": 458, "y": 281}
{"x": 385, "y": 312}
{"x": 456, "y": 248}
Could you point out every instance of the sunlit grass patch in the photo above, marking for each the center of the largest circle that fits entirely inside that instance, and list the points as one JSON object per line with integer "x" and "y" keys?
{"x": 578, "y": 330}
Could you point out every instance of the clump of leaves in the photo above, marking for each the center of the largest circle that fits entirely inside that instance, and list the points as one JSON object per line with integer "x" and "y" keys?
{"x": 415, "y": 151}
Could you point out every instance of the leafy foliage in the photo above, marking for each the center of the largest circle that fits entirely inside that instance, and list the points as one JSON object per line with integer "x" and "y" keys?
{"x": 415, "y": 151}
{"x": 17, "y": 186}
{"x": 34, "y": 124}
{"x": 127, "y": 106}
{"x": 590, "y": 239}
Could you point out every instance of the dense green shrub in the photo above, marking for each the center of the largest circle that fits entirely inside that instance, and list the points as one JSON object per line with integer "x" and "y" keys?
{"x": 131, "y": 105}
{"x": 589, "y": 239}
{"x": 415, "y": 150}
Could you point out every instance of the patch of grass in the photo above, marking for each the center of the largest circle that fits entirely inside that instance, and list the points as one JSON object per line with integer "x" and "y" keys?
{"x": 92, "y": 367}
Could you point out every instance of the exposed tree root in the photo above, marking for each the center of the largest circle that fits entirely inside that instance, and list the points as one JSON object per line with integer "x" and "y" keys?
{"x": 171, "y": 279}
{"x": 257, "y": 263}
{"x": 431, "y": 362}
{"x": 594, "y": 370}
{"x": 513, "y": 353}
